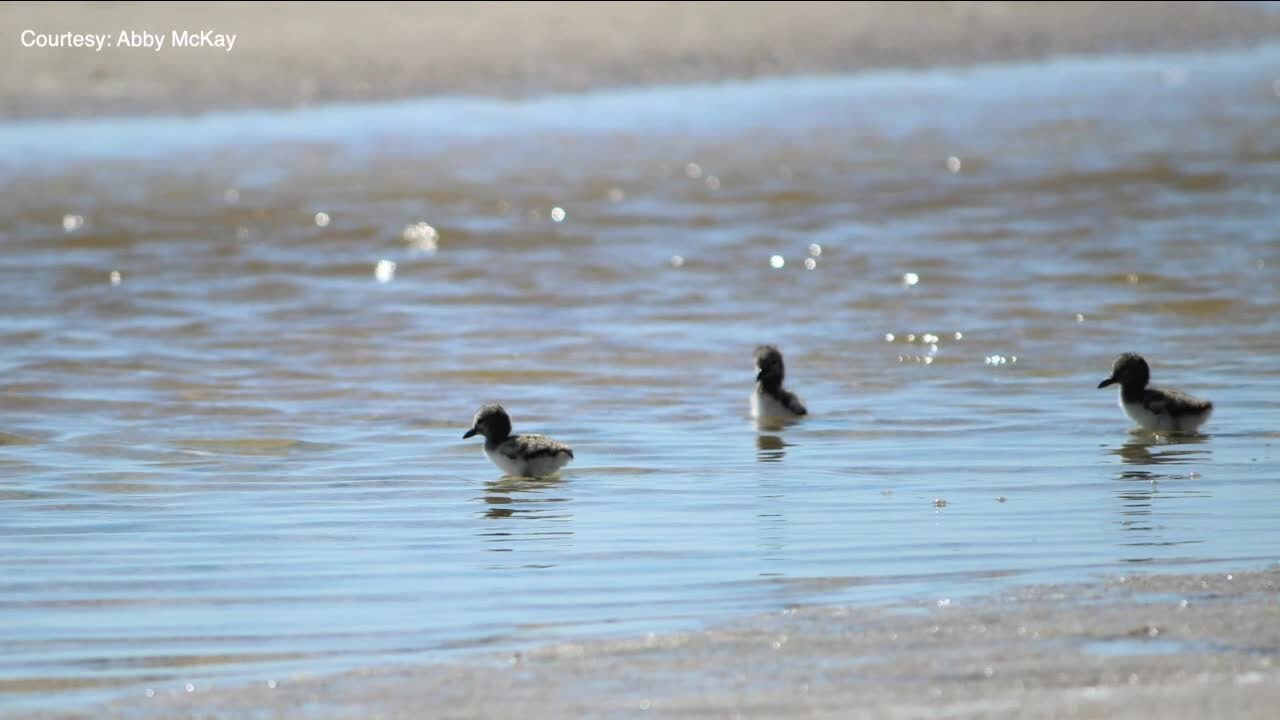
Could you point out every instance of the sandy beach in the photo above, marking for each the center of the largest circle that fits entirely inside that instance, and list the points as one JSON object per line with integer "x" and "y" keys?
{"x": 288, "y": 54}
{"x": 1169, "y": 646}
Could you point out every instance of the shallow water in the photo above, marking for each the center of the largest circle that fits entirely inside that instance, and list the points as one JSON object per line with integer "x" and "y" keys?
{"x": 240, "y": 457}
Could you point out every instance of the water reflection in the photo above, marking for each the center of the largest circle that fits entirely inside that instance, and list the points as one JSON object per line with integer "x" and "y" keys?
{"x": 771, "y": 526}
{"x": 512, "y": 501}
{"x": 770, "y": 448}
{"x": 775, "y": 424}
{"x": 1148, "y": 449}
{"x": 1145, "y": 495}
{"x": 771, "y": 517}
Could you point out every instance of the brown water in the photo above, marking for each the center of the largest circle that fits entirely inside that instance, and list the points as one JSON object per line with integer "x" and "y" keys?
{"x": 241, "y": 456}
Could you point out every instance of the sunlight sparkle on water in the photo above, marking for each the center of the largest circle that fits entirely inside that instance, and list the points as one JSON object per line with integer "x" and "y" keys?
{"x": 421, "y": 237}
{"x": 910, "y": 279}
{"x": 322, "y": 219}
{"x": 693, "y": 171}
{"x": 953, "y": 164}
{"x": 115, "y": 277}
{"x": 557, "y": 214}
{"x": 810, "y": 263}
{"x": 815, "y": 250}
{"x": 385, "y": 271}
{"x": 677, "y": 261}
{"x": 777, "y": 261}
{"x": 72, "y": 223}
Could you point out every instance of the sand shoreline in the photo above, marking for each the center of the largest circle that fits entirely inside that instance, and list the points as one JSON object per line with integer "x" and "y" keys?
{"x": 1197, "y": 645}
{"x": 286, "y": 54}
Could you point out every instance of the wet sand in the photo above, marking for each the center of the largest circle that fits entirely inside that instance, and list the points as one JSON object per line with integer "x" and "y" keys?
{"x": 1169, "y": 646}
{"x": 291, "y": 54}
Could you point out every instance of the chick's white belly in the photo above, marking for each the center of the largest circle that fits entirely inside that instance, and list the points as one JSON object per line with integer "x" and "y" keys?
{"x": 520, "y": 467}
{"x": 1164, "y": 421}
{"x": 1144, "y": 418}
{"x": 765, "y": 407}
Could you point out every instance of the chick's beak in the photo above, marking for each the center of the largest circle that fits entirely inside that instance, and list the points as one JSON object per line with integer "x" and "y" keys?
{"x": 1109, "y": 381}
{"x": 470, "y": 433}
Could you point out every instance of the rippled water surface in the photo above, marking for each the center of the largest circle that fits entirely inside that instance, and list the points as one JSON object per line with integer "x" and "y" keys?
{"x": 235, "y": 370}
